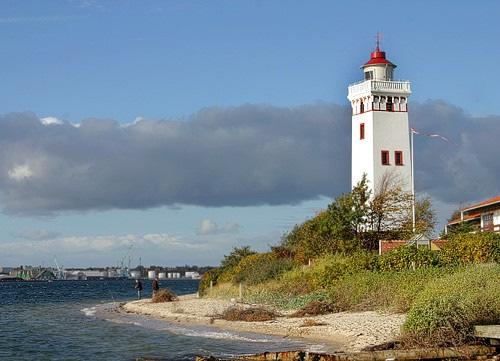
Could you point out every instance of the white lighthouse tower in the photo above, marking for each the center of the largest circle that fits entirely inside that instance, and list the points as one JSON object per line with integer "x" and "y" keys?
{"x": 380, "y": 130}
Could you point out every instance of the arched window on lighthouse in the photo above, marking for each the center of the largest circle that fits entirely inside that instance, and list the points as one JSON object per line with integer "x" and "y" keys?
{"x": 362, "y": 107}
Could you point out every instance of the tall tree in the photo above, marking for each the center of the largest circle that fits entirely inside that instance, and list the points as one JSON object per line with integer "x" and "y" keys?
{"x": 237, "y": 254}
{"x": 390, "y": 206}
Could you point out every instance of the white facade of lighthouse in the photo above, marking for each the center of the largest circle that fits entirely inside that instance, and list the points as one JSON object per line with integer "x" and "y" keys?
{"x": 380, "y": 129}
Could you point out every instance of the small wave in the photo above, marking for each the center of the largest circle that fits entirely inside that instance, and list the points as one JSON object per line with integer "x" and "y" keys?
{"x": 107, "y": 312}
{"x": 89, "y": 311}
{"x": 221, "y": 335}
{"x": 123, "y": 322}
{"x": 316, "y": 348}
{"x": 195, "y": 331}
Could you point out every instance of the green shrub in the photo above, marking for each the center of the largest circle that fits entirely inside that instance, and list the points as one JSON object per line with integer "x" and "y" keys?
{"x": 283, "y": 300}
{"x": 260, "y": 267}
{"x": 445, "y": 312}
{"x": 224, "y": 290}
{"x": 462, "y": 249}
{"x": 232, "y": 259}
{"x": 392, "y": 291}
{"x": 325, "y": 271}
{"x": 318, "y": 236}
{"x": 210, "y": 276}
{"x": 407, "y": 257}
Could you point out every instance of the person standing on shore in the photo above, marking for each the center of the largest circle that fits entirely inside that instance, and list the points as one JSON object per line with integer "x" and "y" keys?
{"x": 155, "y": 286}
{"x": 138, "y": 287}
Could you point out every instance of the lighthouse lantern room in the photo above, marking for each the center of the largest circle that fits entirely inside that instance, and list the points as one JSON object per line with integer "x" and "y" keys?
{"x": 380, "y": 129}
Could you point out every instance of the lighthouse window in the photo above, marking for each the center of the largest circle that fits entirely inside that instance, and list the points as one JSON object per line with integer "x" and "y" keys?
{"x": 398, "y": 157}
{"x": 368, "y": 75}
{"x": 389, "y": 74}
{"x": 362, "y": 131}
{"x": 385, "y": 157}
{"x": 362, "y": 107}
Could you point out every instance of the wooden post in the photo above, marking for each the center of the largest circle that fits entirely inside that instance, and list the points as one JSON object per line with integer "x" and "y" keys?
{"x": 211, "y": 285}
{"x": 241, "y": 291}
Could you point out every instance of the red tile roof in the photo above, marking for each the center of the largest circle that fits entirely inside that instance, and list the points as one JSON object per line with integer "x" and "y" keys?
{"x": 487, "y": 202}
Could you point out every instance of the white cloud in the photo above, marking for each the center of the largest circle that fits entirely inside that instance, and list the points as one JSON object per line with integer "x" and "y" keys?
{"x": 208, "y": 226}
{"x": 147, "y": 243}
{"x": 37, "y": 234}
{"x": 51, "y": 121}
{"x": 20, "y": 172}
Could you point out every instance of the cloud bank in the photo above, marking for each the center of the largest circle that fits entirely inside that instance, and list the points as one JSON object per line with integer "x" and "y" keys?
{"x": 99, "y": 250}
{"x": 241, "y": 156}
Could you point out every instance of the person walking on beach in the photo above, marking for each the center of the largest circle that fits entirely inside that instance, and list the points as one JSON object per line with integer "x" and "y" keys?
{"x": 138, "y": 287}
{"x": 155, "y": 286}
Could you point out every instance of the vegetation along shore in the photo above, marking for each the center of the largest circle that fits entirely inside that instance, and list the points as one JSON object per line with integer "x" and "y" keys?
{"x": 324, "y": 280}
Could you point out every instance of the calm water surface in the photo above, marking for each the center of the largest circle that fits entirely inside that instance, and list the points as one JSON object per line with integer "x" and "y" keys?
{"x": 77, "y": 320}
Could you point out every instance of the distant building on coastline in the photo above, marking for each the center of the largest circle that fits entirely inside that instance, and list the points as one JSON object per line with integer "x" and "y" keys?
{"x": 193, "y": 275}
{"x": 5, "y": 270}
{"x": 483, "y": 216}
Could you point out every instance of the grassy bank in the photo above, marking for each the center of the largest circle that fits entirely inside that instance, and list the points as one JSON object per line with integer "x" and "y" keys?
{"x": 444, "y": 294}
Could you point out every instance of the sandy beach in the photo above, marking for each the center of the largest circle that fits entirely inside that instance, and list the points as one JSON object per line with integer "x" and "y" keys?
{"x": 343, "y": 331}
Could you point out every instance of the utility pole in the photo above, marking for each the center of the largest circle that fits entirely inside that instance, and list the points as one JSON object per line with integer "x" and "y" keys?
{"x": 412, "y": 181}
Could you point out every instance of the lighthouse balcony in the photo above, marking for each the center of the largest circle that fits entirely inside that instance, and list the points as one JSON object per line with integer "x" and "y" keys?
{"x": 365, "y": 87}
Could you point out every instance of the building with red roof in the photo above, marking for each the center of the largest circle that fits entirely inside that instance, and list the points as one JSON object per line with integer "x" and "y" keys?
{"x": 484, "y": 216}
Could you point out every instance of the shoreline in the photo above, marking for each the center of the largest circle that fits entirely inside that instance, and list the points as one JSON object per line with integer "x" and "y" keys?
{"x": 343, "y": 331}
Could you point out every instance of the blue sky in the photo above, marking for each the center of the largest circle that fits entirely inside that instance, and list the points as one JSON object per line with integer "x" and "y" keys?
{"x": 164, "y": 61}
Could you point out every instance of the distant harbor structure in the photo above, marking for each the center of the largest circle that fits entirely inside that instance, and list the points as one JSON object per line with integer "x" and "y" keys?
{"x": 135, "y": 274}
{"x": 39, "y": 273}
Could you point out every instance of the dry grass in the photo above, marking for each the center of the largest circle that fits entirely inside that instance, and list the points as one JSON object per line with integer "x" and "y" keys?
{"x": 308, "y": 322}
{"x": 253, "y": 314}
{"x": 164, "y": 295}
{"x": 315, "y": 308}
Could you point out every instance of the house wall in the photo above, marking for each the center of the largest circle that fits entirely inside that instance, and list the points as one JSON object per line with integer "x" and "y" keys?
{"x": 385, "y": 246}
{"x": 496, "y": 217}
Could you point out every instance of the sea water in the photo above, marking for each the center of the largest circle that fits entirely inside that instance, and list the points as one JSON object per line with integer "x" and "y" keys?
{"x": 79, "y": 320}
